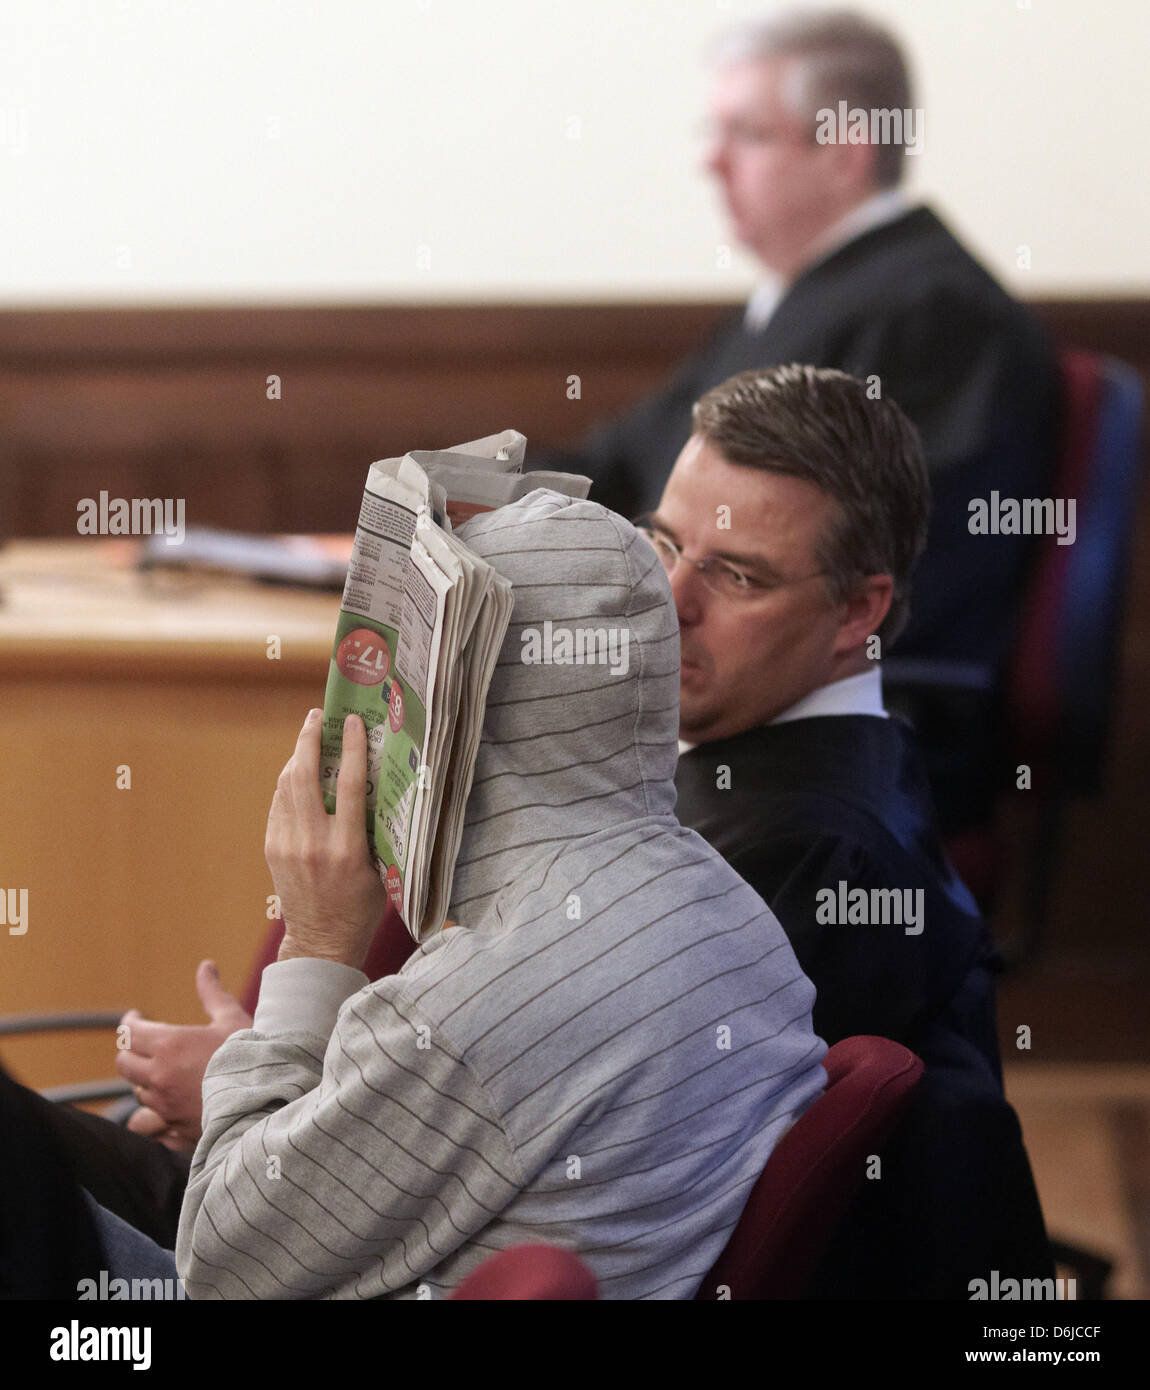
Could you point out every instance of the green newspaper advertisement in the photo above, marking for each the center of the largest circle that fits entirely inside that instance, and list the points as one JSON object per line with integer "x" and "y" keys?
{"x": 421, "y": 622}
{"x": 382, "y": 668}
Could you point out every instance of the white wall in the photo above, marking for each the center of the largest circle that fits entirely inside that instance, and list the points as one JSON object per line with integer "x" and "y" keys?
{"x": 255, "y": 150}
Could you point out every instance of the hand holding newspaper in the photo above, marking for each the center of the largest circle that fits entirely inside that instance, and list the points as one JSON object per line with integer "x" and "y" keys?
{"x": 421, "y": 624}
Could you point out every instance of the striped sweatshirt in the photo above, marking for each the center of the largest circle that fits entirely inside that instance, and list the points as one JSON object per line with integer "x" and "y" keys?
{"x": 601, "y": 1055}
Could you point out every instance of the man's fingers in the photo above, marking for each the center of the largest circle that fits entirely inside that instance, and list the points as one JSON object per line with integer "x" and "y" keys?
{"x": 351, "y": 786}
{"x": 173, "y": 1139}
{"x": 143, "y": 1034}
{"x": 137, "y": 1070}
{"x": 309, "y": 734}
{"x": 303, "y": 770}
{"x": 213, "y": 996}
{"x": 147, "y": 1122}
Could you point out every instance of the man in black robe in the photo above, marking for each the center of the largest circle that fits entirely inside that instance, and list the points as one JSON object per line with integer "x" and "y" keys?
{"x": 790, "y": 527}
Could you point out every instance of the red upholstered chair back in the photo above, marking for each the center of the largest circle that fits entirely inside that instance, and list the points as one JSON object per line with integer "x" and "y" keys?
{"x": 530, "y": 1273}
{"x": 814, "y": 1171}
{"x": 1062, "y": 678}
{"x": 1062, "y": 669}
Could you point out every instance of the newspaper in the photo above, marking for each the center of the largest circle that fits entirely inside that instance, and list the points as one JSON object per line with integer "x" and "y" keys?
{"x": 421, "y": 624}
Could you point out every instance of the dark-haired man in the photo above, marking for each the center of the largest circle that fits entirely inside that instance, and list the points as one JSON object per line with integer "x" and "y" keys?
{"x": 790, "y": 527}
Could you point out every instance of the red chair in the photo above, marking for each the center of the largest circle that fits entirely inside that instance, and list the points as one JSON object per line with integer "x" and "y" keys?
{"x": 814, "y": 1171}
{"x": 1060, "y": 682}
{"x": 530, "y": 1273}
{"x": 794, "y": 1208}
{"x": 1062, "y": 672}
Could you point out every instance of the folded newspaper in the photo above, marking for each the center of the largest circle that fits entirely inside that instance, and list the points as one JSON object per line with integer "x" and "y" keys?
{"x": 421, "y": 624}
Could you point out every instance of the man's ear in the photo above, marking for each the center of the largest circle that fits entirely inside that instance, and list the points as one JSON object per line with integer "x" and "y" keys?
{"x": 863, "y": 612}
{"x": 854, "y": 167}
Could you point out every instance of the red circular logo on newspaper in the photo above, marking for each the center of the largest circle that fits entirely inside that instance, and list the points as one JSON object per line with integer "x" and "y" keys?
{"x": 363, "y": 657}
{"x": 395, "y": 887}
{"x": 395, "y": 708}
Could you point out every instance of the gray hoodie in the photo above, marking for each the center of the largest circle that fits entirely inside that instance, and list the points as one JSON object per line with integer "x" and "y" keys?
{"x": 601, "y": 1055}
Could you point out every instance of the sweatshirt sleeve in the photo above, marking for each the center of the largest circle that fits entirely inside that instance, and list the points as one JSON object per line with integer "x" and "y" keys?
{"x": 346, "y": 1150}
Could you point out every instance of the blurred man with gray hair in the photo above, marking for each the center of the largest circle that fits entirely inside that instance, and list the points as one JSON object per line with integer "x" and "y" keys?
{"x": 812, "y": 121}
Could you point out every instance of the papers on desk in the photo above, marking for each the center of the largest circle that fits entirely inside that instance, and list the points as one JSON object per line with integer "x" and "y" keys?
{"x": 300, "y": 560}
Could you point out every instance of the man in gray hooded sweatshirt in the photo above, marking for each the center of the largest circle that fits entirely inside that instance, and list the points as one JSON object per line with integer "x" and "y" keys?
{"x": 601, "y": 1054}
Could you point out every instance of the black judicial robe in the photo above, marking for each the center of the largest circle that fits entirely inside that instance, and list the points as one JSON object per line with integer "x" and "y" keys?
{"x": 813, "y": 803}
{"x": 967, "y": 363}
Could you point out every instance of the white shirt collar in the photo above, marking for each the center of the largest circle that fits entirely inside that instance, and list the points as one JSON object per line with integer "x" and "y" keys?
{"x": 880, "y": 208}
{"x": 861, "y": 694}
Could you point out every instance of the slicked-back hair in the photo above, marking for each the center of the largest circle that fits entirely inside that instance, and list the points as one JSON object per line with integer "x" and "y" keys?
{"x": 841, "y": 56}
{"x": 820, "y": 425}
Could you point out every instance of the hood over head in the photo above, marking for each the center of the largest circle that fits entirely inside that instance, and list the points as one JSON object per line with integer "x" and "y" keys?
{"x": 580, "y": 733}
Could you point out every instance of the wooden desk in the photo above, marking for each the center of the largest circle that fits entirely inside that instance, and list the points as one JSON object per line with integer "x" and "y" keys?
{"x": 102, "y": 668}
